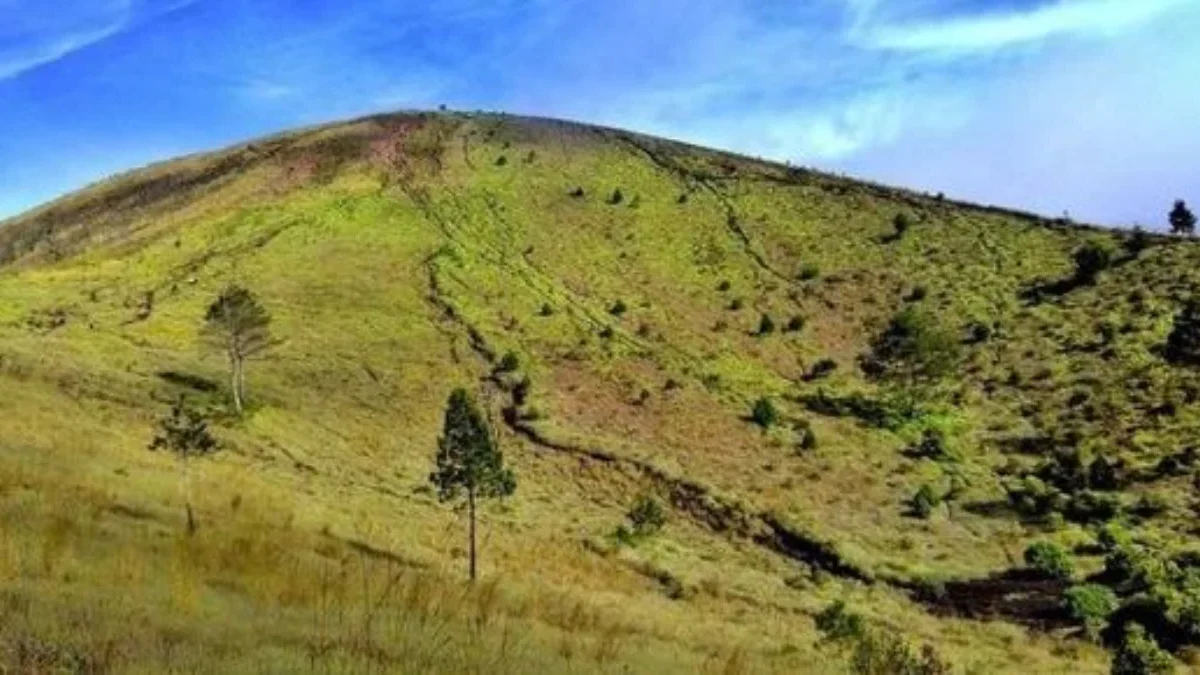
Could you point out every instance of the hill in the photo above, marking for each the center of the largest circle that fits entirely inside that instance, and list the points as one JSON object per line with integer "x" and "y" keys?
{"x": 640, "y": 318}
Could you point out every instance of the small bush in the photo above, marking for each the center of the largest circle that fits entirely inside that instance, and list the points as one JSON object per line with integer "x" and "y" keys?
{"x": 821, "y": 369}
{"x": 1139, "y": 654}
{"x": 931, "y": 446}
{"x": 795, "y": 324}
{"x": 809, "y": 272}
{"x": 764, "y": 413}
{"x": 978, "y": 332}
{"x": 808, "y": 439}
{"x": 925, "y": 501}
{"x": 736, "y": 304}
{"x": 617, "y": 197}
{"x": 724, "y": 286}
{"x": 901, "y": 223}
{"x": 1137, "y": 242}
{"x": 1090, "y": 260}
{"x": 577, "y": 193}
{"x": 837, "y": 623}
{"x": 607, "y": 332}
{"x": 1183, "y": 343}
{"x": 917, "y": 294}
{"x": 618, "y": 308}
{"x": 546, "y": 310}
{"x": 647, "y": 517}
{"x": 766, "y": 326}
{"x": 1091, "y": 605}
{"x": 509, "y": 363}
{"x": 1050, "y": 559}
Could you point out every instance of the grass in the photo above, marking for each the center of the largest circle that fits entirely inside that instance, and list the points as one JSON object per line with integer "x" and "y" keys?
{"x": 379, "y": 267}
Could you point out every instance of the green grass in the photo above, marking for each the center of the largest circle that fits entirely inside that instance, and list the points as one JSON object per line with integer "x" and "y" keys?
{"x": 343, "y": 239}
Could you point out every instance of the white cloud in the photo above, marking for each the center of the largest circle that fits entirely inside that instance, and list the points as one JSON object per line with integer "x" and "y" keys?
{"x": 34, "y": 36}
{"x": 1088, "y": 18}
{"x": 50, "y": 50}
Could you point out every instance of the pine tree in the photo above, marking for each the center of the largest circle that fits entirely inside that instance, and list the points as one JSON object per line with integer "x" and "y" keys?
{"x": 184, "y": 433}
{"x": 240, "y": 326}
{"x": 1183, "y": 221}
{"x": 469, "y": 461}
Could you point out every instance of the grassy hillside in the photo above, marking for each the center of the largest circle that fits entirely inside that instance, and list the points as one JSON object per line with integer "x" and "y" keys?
{"x": 404, "y": 256}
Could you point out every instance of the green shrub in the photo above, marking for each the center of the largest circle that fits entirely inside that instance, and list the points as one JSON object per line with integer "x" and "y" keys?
{"x": 647, "y": 517}
{"x": 618, "y": 308}
{"x": 1090, "y": 260}
{"x": 1050, "y": 559}
{"x": 724, "y": 286}
{"x": 837, "y": 623}
{"x": 931, "y": 446}
{"x": 809, "y": 272}
{"x": 509, "y": 363}
{"x": 821, "y": 369}
{"x": 764, "y": 413}
{"x": 766, "y": 326}
{"x": 913, "y": 354}
{"x": 546, "y": 310}
{"x": 736, "y": 304}
{"x": 880, "y": 653}
{"x": 1137, "y": 242}
{"x": 1091, "y": 605}
{"x": 808, "y": 439}
{"x": 617, "y": 197}
{"x": 1183, "y": 343}
{"x": 925, "y": 501}
{"x": 795, "y": 324}
{"x": 901, "y": 223}
{"x": 1139, "y": 654}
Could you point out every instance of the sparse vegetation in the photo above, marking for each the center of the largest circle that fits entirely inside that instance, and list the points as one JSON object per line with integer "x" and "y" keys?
{"x": 394, "y": 256}
{"x": 912, "y": 355}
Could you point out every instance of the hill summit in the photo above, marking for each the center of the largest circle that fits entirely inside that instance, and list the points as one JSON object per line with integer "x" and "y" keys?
{"x": 760, "y": 418}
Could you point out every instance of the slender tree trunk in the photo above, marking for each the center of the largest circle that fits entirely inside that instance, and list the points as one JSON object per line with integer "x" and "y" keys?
{"x": 241, "y": 375}
{"x": 236, "y": 382}
{"x": 187, "y": 500}
{"x": 471, "y": 528}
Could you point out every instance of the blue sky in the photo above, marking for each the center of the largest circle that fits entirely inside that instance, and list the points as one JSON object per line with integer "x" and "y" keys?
{"x": 1091, "y": 106}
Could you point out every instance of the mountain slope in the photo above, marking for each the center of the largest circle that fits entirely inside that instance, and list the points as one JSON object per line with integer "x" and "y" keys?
{"x": 401, "y": 256}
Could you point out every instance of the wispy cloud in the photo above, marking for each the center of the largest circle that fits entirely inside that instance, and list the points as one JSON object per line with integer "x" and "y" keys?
{"x": 29, "y": 40}
{"x": 995, "y": 29}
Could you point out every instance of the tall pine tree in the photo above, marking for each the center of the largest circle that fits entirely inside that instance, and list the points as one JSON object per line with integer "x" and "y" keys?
{"x": 469, "y": 461}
